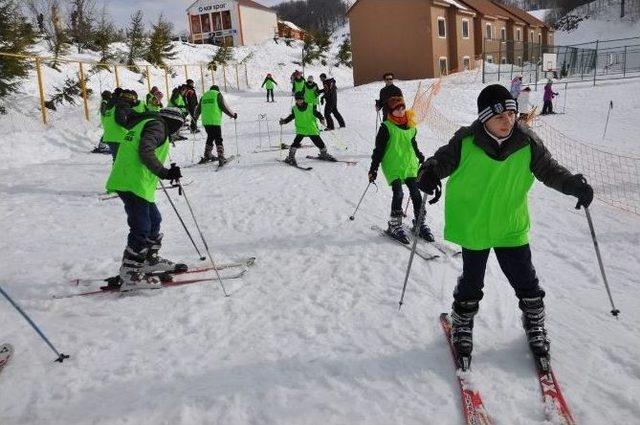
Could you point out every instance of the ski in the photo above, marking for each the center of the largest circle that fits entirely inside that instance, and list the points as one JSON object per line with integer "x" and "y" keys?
{"x": 445, "y": 249}
{"x": 6, "y": 352}
{"x": 228, "y": 160}
{"x": 472, "y": 406}
{"x": 281, "y": 147}
{"x": 163, "y": 279}
{"x": 295, "y": 166}
{"x": 344, "y": 161}
{"x": 555, "y": 406}
{"x": 427, "y": 256}
{"x": 107, "y": 196}
{"x": 246, "y": 262}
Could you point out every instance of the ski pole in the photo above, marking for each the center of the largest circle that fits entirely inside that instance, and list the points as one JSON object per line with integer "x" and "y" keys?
{"x": 61, "y": 356}
{"x": 413, "y": 248}
{"x": 606, "y": 124}
{"x": 193, "y": 147}
{"x": 353, "y": 216}
{"x": 206, "y": 246}
{"x": 268, "y": 133}
{"x": 202, "y": 257}
{"x": 260, "y": 130}
{"x": 406, "y": 207}
{"x": 614, "y": 310}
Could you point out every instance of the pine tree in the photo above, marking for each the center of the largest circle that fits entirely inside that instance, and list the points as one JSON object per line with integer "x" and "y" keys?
{"x": 223, "y": 56}
{"x": 136, "y": 39}
{"x": 59, "y": 39}
{"x": 160, "y": 45}
{"x": 82, "y": 23}
{"x": 103, "y": 36}
{"x": 344, "y": 54}
{"x": 17, "y": 36}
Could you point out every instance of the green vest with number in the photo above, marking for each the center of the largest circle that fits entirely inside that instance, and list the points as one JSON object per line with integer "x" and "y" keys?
{"x": 486, "y": 199}
{"x": 298, "y": 86}
{"x": 306, "y": 124}
{"x": 113, "y": 132}
{"x": 209, "y": 109}
{"x": 128, "y": 173}
{"x": 399, "y": 160}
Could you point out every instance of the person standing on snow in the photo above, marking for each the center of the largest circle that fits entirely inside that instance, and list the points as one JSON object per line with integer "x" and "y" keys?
{"x": 387, "y": 92}
{"x": 134, "y": 177}
{"x": 491, "y": 167}
{"x": 548, "y": 96}
{"x": 397, "y": 150}
{"x": 104, "y": 105}
{"x": 211, "y": 107}
{"x": 297, "y": 85}
{"x": 191, "y": 101}
{"x": 330, "y": 100}
{"x": 116, "y": 116}
{"x": 516, "y": 87}
{"x": 269, "y": 83}
{"x": 305, "y": 116}
{"x": 154, "y": 100}
{"x": 311, "y": 92}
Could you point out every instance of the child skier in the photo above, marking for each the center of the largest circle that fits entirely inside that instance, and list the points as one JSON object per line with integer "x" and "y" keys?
{"x": 306, "y": 126}
{"x": 134, "y": 177}
{"x": 548, "y": 96}
{"x": 491, "y": 166}
{"x": 270, "y": 84}
{"x": 211, "y": 107}
{"x": 311, "y": 92}
{"x": 154, "y": 100}
{"x": 397, "y": 150}
{"x": 104, "y": 105}
{"x": 297, "y": 85}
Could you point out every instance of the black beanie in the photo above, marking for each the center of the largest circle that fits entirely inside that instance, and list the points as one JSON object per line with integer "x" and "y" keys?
{"x": 299, "y": 95}
{"x": 494, "y": 100}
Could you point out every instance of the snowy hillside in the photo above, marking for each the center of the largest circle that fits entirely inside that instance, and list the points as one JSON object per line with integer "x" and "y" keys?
{"x": 312, "y": 334}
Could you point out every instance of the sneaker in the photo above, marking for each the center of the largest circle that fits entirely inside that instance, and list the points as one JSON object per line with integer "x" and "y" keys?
{"x": 533, "y": 323}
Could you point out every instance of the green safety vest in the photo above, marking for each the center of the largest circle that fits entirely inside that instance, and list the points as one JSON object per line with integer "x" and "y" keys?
{"x": 298, "y": 86}
{"x": 486, "y": 199}
{"x": 150, "y": 105}
{"x": 399, "y": 160}
{"x": 306, "y": 124}
{"x": 209, "y": 108}
{"x": 140, "y": 107}
{"x": 128, "y": 173}
{"x": 311, "y": 96}
{"x": 113, "y": 132}
{"x": 269, "y": 84}
{"x": 179, "y": 103}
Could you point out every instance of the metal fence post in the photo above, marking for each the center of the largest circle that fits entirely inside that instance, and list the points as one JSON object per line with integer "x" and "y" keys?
{"x": 595, "y": 63}
{"x": 43, "y": 109}
{"x": 624, "y": 66}
{"x": 499, "y": 58}
{"x": 83, "y": 87}
{"x": 237, "y": 78}
{"x": 484, "y": 65}
{"x": 246, "y": 75}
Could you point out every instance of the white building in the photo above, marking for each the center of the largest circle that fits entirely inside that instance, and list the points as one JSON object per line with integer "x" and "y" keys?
{"x": 235, "y": 22}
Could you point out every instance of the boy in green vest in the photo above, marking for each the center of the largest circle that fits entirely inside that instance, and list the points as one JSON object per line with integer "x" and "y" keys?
{"x": 297, "y": 85}
{"x": 134, "y": 177}
{"x": 269, "y": 83}
{"x": 104, "y": 104}
{"x": 210, "y": 108}
{"x": 311, "y": 92}
{"x": 154, "y": 100}
{"x": 397, "y": 150}
{"x": 305, "y": 116}
{"x": 491, "y": 166}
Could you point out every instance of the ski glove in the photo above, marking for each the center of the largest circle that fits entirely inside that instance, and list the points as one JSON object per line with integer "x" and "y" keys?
{"x": 281, "y": 121}
{"x": 173, "y": 173}
{"x": 373, "y": 175}
{"x": 428, "y": 181}
{"x": 235, "y": 116}
{"x": 577, "y": 186}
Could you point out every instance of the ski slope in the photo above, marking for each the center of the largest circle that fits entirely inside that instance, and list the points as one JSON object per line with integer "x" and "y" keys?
{"x": 312, "y": 334}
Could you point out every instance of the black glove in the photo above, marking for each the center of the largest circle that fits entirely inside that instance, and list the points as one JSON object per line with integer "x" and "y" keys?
{"x": 281, "y": 121}
{"x": 420, "y": 158}
{"x": 428, "y": 181}
{"x": 373, "y": 175}
{"x": 174, "y": 173}
{"x": 322, "y": 100}
{"x": 577, "y": 186}
{"x": 235, "y": 116}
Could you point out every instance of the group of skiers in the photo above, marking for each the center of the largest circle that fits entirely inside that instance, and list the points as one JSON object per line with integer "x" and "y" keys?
{"x": 521, "y": 95}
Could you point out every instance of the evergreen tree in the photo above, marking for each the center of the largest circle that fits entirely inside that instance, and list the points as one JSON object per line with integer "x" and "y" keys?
{"x": 344, "y": 54}
{"x": 160, "y": 45}
{"x": 17, "y": 37}
{"x": 223, "y": 56}
{"x": 136, "y": 39}
{"x": 103, "y": 36}
{"x": 59, "y": 38}
{"x": 82, "y": 23}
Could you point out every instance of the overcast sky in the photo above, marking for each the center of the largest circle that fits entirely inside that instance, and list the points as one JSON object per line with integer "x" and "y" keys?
{"x": 174, "y": 10}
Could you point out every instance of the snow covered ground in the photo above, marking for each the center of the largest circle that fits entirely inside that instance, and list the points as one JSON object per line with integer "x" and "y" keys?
{"x": 312, "y": 334}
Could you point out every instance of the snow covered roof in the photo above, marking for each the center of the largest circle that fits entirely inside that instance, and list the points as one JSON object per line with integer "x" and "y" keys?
{"x": 455, "y": 4}
{"x": 521, "y": 14}
{"x": 292, "y": 25}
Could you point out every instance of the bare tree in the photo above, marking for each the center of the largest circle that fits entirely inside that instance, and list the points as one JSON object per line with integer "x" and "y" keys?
{"x": 81, "y": 23}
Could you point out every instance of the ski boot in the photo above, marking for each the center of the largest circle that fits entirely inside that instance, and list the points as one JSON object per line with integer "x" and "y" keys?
{"x": 424, "y": 231}
{"x": 221, "y": 159}
{"x": 208, "y": 155}
{"x": 132, "y": 276}
{"x": 291, "y": 158}
{"x": 154, "y": 263}
{"x": 462, "y": 331}
{"x": 325, "y": 156}
{"x": 395, "y": 229}
{"x": 533, "y": 323}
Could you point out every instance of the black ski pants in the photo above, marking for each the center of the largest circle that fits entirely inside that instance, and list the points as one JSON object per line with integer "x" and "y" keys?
{"x": 547, "y": 108}
{"x": 270, "y": 92}
{"x": 329, "y": 109}
{"x": 398, "y": 195}
{"x": 515, "y": 263}
{"x": 214, "y": 134}
{"x": 315, "y": 139}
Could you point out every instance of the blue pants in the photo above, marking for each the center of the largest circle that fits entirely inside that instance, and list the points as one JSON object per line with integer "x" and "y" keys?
{"x": 398, "y": 194}
{"x": 143, "y": 218}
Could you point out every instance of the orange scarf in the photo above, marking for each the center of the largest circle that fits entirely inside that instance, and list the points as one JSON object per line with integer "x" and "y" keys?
{"x": 403, "y": 120}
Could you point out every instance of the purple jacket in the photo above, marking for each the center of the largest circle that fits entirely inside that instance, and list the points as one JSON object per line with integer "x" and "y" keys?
{"x": 549, "y": 94}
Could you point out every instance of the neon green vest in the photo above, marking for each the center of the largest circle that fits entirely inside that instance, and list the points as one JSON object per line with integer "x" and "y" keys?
{"x": 209, "y": 109}
{"x": 113, "y": 132}
{"x": 150, "y": 105}
{"x": 269, "y": 84}
{"x": 128, "y": 173}
{"x": 306, "y": 124}
{"x": 179, "y": 103}
{"x": 298, "y": 86}
{"x": 140, "y": 107}
{"x": 399, "y": 160}
{"x": 310, "y": 96}
{"x": 486, "y": 200}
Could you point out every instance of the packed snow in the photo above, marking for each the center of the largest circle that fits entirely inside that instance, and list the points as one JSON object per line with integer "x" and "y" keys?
{"x": 312, "y": 334}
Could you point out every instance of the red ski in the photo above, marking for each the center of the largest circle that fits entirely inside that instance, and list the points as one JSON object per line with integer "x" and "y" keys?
{"x": 473, "y": 408}
{"x": 556, "y": 409}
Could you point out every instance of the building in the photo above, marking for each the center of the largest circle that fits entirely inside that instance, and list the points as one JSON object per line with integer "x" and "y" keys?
{"x": 230, "y": 22}
{"x": 413, "y": 38}
{"x": 288, "y": 29}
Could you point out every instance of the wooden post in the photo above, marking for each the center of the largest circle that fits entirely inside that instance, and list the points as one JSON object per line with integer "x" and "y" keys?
{"x": 83, "y": 87}
{"x": 213, "y": 74}
{"x": 237, "y": 78}
{"x": 43, "y": 109}
{"x": 166, "y": 84}
{"x": 202, "y": 78}
{"x": 186, "y": 73}
{"x": 115, "y": 69}
{"x": 246, "y": 75}
{"x": 224, "y": 76}
{"x": 148, "y": 79}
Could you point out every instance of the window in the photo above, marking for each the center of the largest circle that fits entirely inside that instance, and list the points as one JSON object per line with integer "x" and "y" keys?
{"x": 226, "y": 20}
{"x": 443, "y": 66}
{"x": 518, "y": 34}
{"x": 531, "y": 37}
{"x": 503, "y": 61}
{"x": 465, "y": 28}
{"x": 488, "y": 33}
{"x": 442, "y": 30}
{"x": 519, "y": 61}
{"x": 217, "y": 21}
{"x": 503, "y": 34}
{"x": 206, "y": 22}
{"x": 489, "y": 58}
{"x": 465, "y": 63}
{"x": 195, "y": 24}
{"x": 539, "y": 38}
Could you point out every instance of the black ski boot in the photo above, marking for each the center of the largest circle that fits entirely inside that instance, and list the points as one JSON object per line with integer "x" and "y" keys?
{"x": 221, "y": 159}
{"x": 291, "y": 158}
{"x": 132, "y": 276}
{"x": 533, "y": 323}
{"x": 395, "y": 229}
{"x": 208, "y": 155}
{"x": 424, "y": 231}
{"x": 326, "y": 156}
{"x": 462, "y": 330}
{"x": 154, "y": 263}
